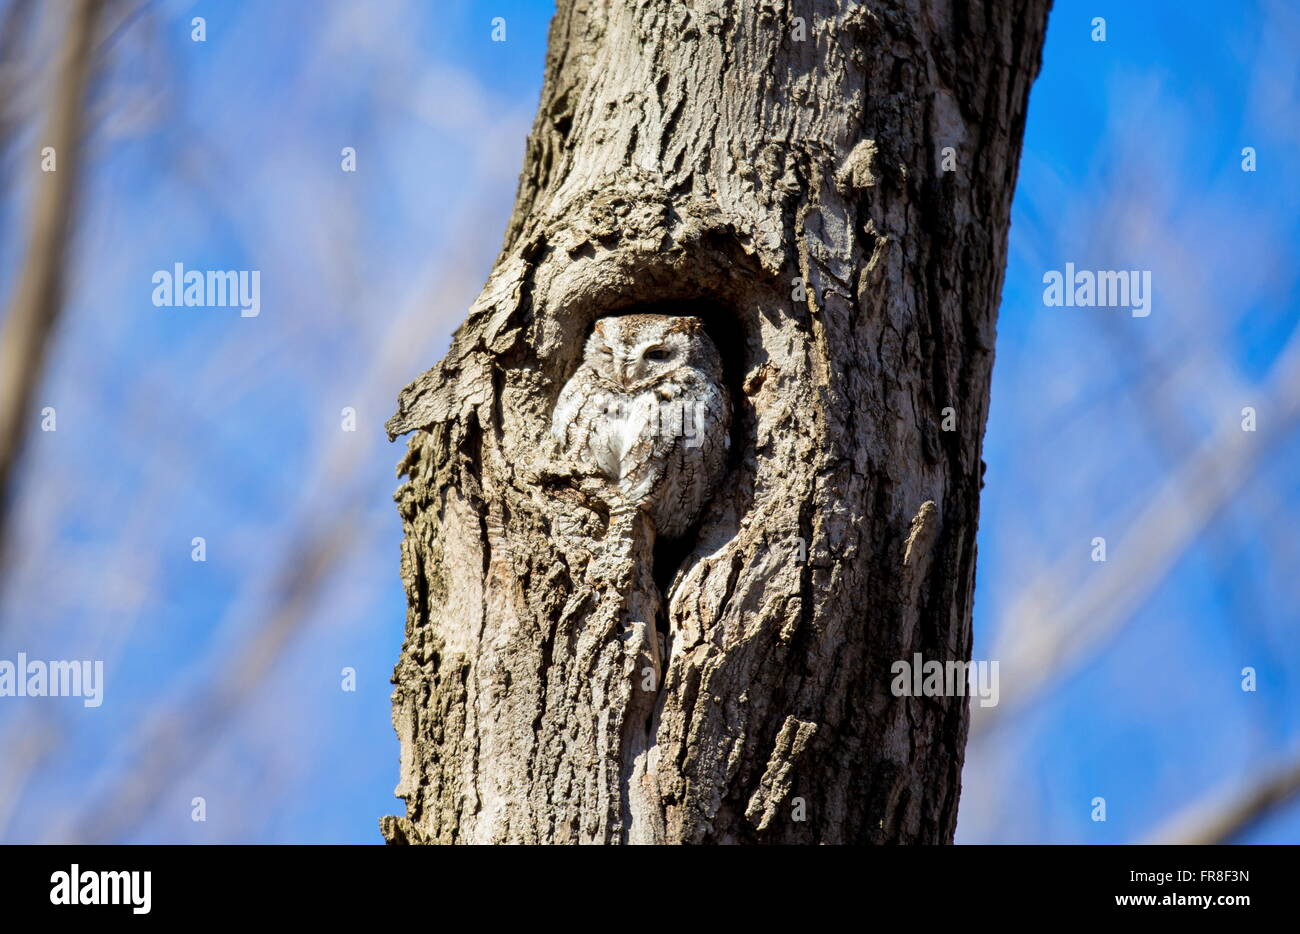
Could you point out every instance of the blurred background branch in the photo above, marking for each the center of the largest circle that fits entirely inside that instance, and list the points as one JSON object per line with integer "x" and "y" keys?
{"x": 1045, "y": 637}
{"x": 1224, "y": 816}
{"x": 37, "y": 302}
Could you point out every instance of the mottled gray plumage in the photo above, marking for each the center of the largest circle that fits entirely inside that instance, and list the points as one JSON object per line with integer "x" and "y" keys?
{"x": 647, "y": 408}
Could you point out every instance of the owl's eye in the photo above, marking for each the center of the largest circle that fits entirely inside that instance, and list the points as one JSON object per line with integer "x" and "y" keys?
{"x": 658, "y": 354}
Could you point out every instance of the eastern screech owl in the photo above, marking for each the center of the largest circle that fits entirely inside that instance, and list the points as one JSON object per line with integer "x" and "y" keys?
{"x": 648, "y": 409}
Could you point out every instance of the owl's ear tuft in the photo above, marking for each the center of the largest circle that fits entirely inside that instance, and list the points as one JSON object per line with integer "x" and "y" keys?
{"x": 598, "y": 342}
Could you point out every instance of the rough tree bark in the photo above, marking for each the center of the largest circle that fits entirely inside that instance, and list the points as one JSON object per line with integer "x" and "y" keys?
{"x": 776, "y": 167}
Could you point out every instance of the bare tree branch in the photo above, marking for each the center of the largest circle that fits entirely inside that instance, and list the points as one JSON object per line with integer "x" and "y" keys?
{"x": 181, "y": 733}
{"x": 1044, "y": 641}
{"x": 1222, "y": 818}
{"x": 38, "y": 299}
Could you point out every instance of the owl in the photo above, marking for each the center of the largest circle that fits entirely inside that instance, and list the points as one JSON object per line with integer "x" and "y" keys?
{"x": 649, "y": 411}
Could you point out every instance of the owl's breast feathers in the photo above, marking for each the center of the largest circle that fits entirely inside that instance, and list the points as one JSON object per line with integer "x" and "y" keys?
{"x": 665, "y": 444}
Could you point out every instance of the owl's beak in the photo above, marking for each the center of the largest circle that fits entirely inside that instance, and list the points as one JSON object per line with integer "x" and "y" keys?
{"x": 627, "y": 373}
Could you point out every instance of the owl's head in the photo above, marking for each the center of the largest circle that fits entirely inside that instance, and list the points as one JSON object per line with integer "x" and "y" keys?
{"x": 633, "y": 351}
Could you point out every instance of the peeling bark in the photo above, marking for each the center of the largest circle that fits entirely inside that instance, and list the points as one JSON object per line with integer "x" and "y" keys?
{"x": 790, "y": 190}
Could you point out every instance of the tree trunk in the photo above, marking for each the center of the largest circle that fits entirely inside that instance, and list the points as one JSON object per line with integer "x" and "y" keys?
{"x": 777, "y": 168}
